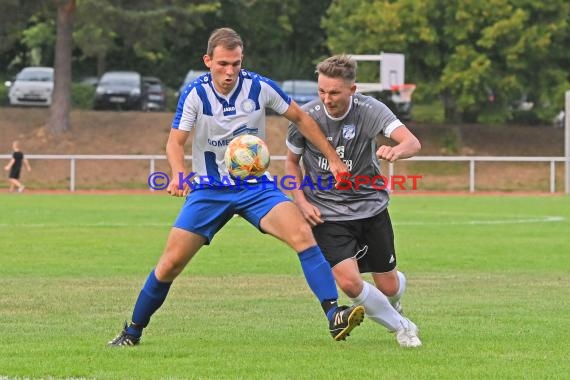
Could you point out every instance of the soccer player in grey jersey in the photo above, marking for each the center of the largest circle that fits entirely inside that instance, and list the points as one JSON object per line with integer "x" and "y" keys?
{"x": 352, "y": 226}
{"x": 228, "y": 102}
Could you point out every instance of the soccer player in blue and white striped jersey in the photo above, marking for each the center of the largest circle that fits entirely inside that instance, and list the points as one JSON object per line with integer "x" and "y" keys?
{"x": 218, "y": 106}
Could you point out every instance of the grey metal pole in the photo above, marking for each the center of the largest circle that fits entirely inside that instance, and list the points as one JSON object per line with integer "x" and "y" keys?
{"x": 567, "y": 140}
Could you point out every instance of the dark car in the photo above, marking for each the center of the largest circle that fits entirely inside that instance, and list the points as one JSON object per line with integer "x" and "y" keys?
{"x": 301, "y": 91}
{"x": 155, "y": 94}
{"x": 120, "y": 90}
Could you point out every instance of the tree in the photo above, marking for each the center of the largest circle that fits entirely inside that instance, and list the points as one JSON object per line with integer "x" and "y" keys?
{"x": 150, "y": 36}
{"x": 479, "y": 56}
{"x": 283, "y": 39}
{"x": 16, "y": 17}
{"x": 61, "y": 98}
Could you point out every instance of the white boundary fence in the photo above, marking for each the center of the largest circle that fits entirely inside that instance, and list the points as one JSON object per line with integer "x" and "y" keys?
{"x": 471, "y": 159}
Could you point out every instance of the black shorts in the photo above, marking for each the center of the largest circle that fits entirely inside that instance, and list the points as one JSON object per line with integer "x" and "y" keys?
{"x": 14, "y": 173}
{"x": 370, "y": 241}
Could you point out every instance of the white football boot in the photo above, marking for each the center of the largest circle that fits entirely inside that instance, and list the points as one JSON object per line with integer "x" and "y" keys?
{"x": 407, "y": 335}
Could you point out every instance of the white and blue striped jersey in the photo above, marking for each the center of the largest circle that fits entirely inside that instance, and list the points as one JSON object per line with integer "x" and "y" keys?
{"x": 217, "y": 119}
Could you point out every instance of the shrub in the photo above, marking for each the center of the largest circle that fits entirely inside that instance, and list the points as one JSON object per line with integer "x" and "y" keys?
{"x": 82, "y": 96}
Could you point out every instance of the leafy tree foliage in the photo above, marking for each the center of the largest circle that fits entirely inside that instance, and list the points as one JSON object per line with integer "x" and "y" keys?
{"x": 283, "y": 39}
{"x": 21, "y": 43}
{"x": 480, "y": 56}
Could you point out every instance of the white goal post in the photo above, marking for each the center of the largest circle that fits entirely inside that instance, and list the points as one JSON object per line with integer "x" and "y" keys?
{"x": 567, "y": 140}
{"x": 391, "y": 68}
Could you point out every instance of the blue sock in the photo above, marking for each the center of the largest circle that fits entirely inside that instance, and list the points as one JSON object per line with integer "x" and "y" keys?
{"x": 320, "y": 278}
{"x": 150, "y": 299}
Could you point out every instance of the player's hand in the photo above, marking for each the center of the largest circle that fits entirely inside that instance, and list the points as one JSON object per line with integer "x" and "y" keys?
{"x": 311, "y": 213}
{"x": 388, "y": 153}
{"x": 176, "y": 190}
{"x": 337, "y": 166}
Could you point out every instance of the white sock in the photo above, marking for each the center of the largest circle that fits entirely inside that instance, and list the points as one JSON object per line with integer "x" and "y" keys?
{"x": 378, "y": 308}
{"x": 401, "y": 288}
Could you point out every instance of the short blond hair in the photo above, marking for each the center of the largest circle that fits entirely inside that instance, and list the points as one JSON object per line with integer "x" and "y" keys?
{"x": 338, "y": 66}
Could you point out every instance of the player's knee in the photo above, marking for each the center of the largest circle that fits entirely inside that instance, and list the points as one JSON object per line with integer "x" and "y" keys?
{"x": 389, "y": 288}
{"x": 302, "y": 236}
{"x": 352, "y": 287}
{"x": 168, "y": 270}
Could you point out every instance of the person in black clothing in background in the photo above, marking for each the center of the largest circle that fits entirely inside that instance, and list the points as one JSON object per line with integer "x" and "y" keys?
{"x": 15, "y": 167}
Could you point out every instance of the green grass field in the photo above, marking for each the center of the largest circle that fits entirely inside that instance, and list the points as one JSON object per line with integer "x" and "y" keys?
{"x": 488, "y": 285}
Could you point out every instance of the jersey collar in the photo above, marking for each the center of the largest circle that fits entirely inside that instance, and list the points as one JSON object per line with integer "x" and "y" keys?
{"x": 340, "y": 117}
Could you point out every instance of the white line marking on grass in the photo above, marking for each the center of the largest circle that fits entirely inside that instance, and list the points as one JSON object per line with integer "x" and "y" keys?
{"x": 101, "y": 224}
{"x": 546, "y": 219}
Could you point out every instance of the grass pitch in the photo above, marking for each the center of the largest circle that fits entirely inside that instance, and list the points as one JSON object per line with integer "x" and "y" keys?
{"x": 488, "y": 281}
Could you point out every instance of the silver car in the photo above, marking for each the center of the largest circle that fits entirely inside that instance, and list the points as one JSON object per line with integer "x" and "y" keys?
{"x": 33, "y": 87}
{"x": 190, "y": 76}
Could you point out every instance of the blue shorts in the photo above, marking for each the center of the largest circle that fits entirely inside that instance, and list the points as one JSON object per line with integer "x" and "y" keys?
{"x": 207, "y": 210}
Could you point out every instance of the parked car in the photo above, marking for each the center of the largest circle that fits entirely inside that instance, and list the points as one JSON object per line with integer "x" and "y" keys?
{"x": 121, "y": 90}
{"x": 155, "y": 91}
{"x": 33, "y": 86}
{"x": 301, "y": 91}
{"x": 190, "y": 76}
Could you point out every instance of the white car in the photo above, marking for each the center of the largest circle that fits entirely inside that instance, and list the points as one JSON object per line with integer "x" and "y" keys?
{"x": 33, "y": 87}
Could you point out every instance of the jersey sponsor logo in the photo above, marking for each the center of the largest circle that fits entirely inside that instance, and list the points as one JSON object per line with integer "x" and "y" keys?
{"x": 324, "y": 163}
{"x": 248, "y": 106}
{"x": 349, "y": 131}
{"x": 221, "y": 142}
{"x": 229, "y": 109}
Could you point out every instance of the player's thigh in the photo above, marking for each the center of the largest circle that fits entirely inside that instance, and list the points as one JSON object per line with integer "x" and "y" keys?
{"x": 285, "y": 222}
{"x": 181, "y": 246}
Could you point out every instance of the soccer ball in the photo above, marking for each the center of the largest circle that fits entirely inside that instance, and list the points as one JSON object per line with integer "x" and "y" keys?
{"x": 247, "y": 155}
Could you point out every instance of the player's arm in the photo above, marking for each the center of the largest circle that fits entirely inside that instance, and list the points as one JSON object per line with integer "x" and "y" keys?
{"x": 175, "y": 154}
{"x": 310, "y": 129}
{"x": 27, "y": 164}
{"x": 9, "y": 165}
{"x": 293, "y": 168}
{"x": 407, "y": 145}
